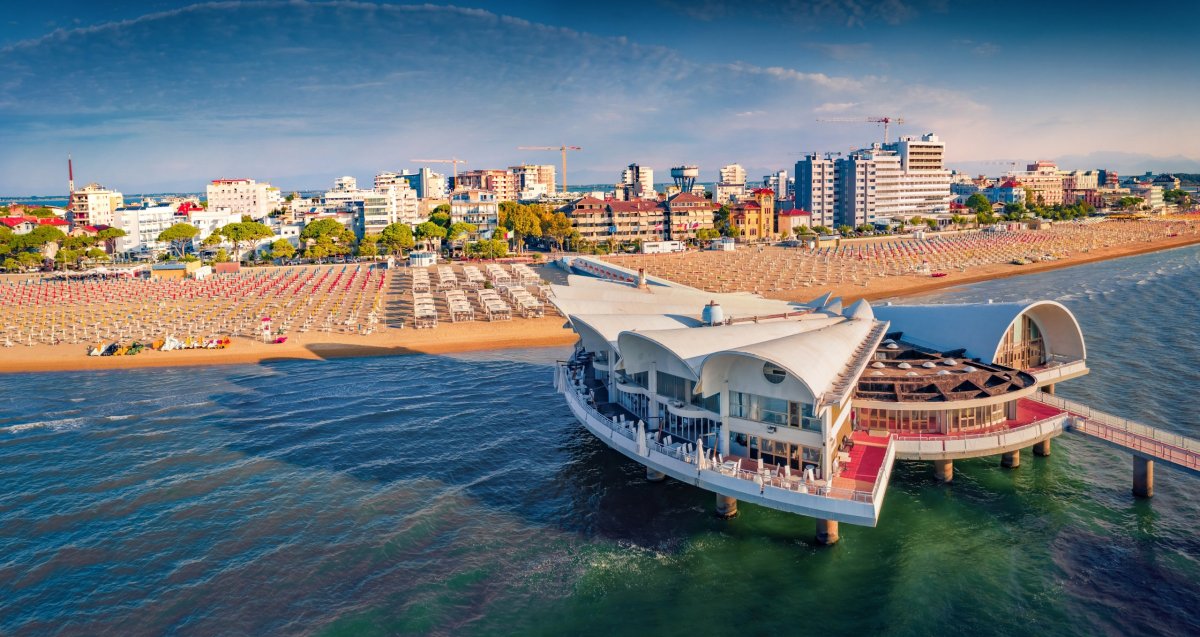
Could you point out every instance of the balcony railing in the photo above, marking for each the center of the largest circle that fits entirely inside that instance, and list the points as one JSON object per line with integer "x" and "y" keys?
{"x": 576, "y": 396}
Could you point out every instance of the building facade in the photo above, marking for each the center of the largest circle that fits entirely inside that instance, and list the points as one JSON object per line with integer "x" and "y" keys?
{"x": 502, "y": 183}
{"x": 142, "y": 227}
{"x": 637, "y": 182}
{"x": 94, "y": 205}
{"x": 687, "y": 213}
{"x": 244, "y": 197}
{"x": 478, "y": 207}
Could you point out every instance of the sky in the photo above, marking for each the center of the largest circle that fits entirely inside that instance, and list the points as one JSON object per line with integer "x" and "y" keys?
{"x": 164, "y": 96}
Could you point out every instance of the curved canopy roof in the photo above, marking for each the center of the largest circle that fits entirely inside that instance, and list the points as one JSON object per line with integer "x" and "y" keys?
{"x": 692, "y": 345}
{"x": 814, "y": 357}
{"x": 980, "y": 327}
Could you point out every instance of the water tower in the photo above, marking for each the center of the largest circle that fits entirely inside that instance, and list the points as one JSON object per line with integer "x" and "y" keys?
{"x": 685, "y": 177}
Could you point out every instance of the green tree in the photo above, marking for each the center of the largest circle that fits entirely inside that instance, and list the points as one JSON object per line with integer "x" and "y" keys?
{"x": 845, "y": 230}
{"x": 96, "y": 254}
{"x": 487, "y": 249}
{"x": 429, "y": 231}
{"x": 461, "y": 230}
{"x": 707, "y": 234}
{"x": 822, "y": 230}
{"x": 369, "y": 246}
{"x": 30, "y": 259}
{"x": 958, "y": 220}
{"x": 40, "y": 212}
{"x": 442, "y": 209}
{"x": 282, "y": 249}
{"x": 558, "y": 228}
{"x": 979, "y": 203}
{"x": 213, "y": 240}
{"x": 109, "y": 237}
{"x": 865, "y": 228}
{"x": 440, "y": 218}
{"x": 932, "y": 223}
{"x": 221, "y": 256}
{"x": 179, "y": 236}
{"x": 321, "y": 228}
{"x": 244, "y": 234}
{"x": 11, "y": 264}
{"x": 523, "y": 221}
{"x": 396, "y": 238}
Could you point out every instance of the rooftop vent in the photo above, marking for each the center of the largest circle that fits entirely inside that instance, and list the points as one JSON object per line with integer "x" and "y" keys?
{"x": 904, "y": 366}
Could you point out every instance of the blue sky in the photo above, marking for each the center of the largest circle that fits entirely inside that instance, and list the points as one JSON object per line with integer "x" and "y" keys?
{"x": 153, "y": 96}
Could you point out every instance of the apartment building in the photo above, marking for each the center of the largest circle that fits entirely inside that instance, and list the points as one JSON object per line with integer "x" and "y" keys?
{"x": 1044, "y": 182}
{"x": 502, "y": 183}
{"x": 478, "y": 207}
{"x": 244, "y": 197}
{"x": 94, "y": 205}
{"x": 620, "y": 221}
{"x": 899, "y": 180}
{"x": 534, "y": 181}
{"x": 815, "y": 190}
{"x": 637, "y": 182}
{"x": 687, "y": 213}
{"x": 142, "y": 227}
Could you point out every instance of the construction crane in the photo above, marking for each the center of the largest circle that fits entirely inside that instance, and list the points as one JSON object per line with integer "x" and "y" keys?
{"x": 454, "y": 161}
{"x": 886, "y": 121}
{"x": 563, "y": 150}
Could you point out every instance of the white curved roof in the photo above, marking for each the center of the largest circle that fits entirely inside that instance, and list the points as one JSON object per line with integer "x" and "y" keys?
{"x": 980, "y": 327}
{"x": 693, "y": 345}
{"x": 588, "y": 295}
{"x": 814, "y": 357}
{"x": 608, "y": 326}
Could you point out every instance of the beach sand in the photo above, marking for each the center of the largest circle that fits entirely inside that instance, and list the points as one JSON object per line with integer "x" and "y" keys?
{"x": 481, "y": 336}
{"x": 445, "y": 339}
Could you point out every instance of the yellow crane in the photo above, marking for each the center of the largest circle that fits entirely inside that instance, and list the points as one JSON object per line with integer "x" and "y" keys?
{"x": 563, "y": 150}
{"x": 454, "y": 161}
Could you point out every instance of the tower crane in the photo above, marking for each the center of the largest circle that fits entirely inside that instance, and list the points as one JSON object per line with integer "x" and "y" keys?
{"x": 886, "y": 121}
{"x": 563, "y": 150}
{"x": 454, "y": 161}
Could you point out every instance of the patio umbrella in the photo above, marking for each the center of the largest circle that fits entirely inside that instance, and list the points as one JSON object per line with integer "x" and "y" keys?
{"x": 787, "y": 469}
{"x": 700, "y": 454}
{"x": 760, "y": 464}
{"x": 641, "y": 440}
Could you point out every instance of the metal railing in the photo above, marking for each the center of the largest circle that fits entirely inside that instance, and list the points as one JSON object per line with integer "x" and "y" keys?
{"x": 1152, "y": 441}
{"x": 576, "y": 396}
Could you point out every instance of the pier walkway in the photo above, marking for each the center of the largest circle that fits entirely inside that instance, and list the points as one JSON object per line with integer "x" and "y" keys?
{"x": 1147, "y": 444}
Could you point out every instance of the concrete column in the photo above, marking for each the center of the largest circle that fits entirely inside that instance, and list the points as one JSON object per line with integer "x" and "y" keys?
{"x": 652, "y": 419}
{"x": 723, "y": 441}
{"x": 943, "y": 470}
{"x": 1049, "y": 389}
{"x": 827, "y": 532}
{"x": 726, "y": 507}
{"x": 1042, "y": 448}
{"x": 1143, "y": 477}
{"x": 655, "y": 476}
{"x": 1011, "y": 460}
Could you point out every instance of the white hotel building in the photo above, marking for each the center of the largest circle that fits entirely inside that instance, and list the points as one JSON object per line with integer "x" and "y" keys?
{"x": 243, "y": 197}
{"x": 899, "y": 180}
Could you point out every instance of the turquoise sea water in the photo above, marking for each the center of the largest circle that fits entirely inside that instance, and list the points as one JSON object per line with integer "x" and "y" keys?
{"x": 455, "y": 495}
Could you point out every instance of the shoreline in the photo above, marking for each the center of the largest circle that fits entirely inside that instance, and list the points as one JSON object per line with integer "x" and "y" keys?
{"x": 457, "y": 338}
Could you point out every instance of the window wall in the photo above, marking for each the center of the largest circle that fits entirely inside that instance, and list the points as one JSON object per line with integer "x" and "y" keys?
{"x": 953, "y": 421}
{"x": 776, "y": 452}
{"x": 773, "y": 411}
{"x": 1022, "y": 346}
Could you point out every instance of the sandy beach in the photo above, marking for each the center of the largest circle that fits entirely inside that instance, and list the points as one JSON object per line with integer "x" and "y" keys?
{"x": 445, "y": 339}
{"x": 481, "y": 335}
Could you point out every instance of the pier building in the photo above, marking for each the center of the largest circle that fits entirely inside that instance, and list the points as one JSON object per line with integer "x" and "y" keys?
{"x": 804, "y": 407}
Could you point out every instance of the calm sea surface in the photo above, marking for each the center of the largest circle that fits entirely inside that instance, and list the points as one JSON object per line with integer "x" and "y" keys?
{"x": 455, "y": 495}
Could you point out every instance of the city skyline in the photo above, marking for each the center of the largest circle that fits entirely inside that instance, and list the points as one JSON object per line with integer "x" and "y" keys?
{"x": 167, "y": 96}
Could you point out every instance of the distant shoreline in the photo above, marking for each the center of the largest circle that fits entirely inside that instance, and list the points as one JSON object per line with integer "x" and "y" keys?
{"x": 476, "y": 336}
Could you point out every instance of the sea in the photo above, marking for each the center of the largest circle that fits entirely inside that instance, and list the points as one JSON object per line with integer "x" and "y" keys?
{"x": 455, "y": 495}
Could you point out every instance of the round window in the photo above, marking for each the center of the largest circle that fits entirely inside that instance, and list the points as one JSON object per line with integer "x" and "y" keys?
{"x": 773, "y": 373}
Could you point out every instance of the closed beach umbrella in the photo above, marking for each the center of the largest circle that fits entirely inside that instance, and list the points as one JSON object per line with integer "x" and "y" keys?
{"x": 700, "y": 454}
{"x": 760, "y": 464}
{"x": 641, "y": 439}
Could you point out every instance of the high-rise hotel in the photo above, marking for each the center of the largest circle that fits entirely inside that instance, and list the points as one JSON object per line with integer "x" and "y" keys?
{"x": 897, "y": 180}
